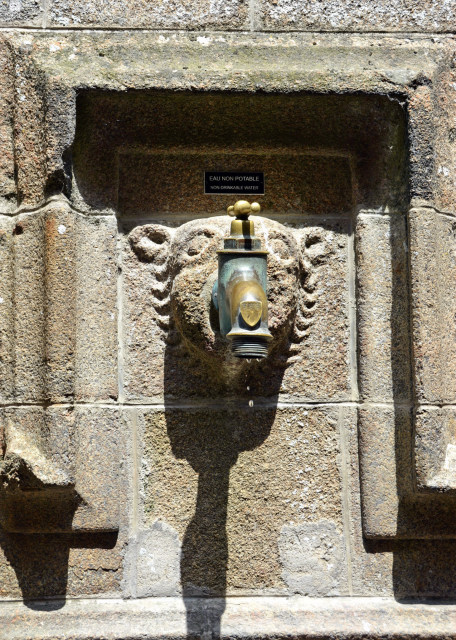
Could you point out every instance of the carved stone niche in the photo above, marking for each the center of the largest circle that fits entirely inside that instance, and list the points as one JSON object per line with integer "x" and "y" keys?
{"x": 335, "y": 211}
{"x": 340, "y": 279}
{"x": 341, "y": 272}
{"x": 144, "y": 154}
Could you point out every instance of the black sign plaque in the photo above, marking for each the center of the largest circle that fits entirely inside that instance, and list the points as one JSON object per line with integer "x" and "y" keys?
{"x": 234, "y": 182}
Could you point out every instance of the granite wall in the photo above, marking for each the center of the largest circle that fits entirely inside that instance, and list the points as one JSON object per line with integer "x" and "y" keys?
{"x": 150, "y": 484}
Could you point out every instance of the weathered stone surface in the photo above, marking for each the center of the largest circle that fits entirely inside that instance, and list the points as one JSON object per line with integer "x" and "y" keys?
{"x": 50, "y": 566}
{"x": 237, "y": 486}
{"x": 21, "y": 13}
{"x": 7, "y": 178}
{"x": 323, "y": 618}
{"x": 60, "y": 306}
{"x": 385, "y": 471}
{"x": 61, "y": 470}
{"x": 29, "y": 307}
{"x": 398, "y": 15}
{"x": 435, "y": 449}
{"x": 142, "y": 14}
{"x": 172, "y": 344}
{"x": 96, "y": 310}
{"x": 433, "y": 275}
{"x": 6, "y": 310}
{"x": 383, "y": 314}
{"x": 313, "y": 558}
{"x": 153, "y": 562}
{"x": 314, "y": 183}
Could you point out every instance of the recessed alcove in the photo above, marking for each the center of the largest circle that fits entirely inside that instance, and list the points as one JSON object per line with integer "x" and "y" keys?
{"x": 143, "y": 152}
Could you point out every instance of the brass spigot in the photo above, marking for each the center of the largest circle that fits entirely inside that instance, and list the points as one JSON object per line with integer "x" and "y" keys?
{"x": 240, "y": 292}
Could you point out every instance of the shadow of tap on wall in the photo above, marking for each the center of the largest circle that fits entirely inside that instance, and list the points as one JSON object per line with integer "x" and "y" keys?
{"x": 216, "y": 405}
{"x": 211, "y": 439}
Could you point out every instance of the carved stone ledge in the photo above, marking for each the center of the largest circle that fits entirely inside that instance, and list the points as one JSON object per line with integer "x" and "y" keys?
{"x": 259, "y": 618}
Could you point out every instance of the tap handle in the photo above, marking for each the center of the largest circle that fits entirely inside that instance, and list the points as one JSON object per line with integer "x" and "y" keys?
{"x": 242, "y": 209}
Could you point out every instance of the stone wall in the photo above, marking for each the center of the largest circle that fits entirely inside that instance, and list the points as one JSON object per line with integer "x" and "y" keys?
{"x": 138, "y": 460}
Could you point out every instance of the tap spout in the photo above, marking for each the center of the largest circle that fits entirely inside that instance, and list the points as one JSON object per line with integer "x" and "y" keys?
{"x": 248, "y": 308}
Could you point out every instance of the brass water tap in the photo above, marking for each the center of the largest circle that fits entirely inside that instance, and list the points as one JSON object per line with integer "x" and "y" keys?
{"x": 240, "y": 291}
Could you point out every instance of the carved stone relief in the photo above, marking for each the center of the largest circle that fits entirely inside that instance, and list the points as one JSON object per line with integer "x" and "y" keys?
{"x": 180, "y": 267}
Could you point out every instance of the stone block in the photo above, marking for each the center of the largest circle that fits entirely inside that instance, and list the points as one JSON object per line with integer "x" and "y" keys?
{"x": 254, "y": 496}
{"x": 432, "y": 135}
{"x": 99, "y": 444}
{"x": 96, "y": 309}
{"x": 60, "y": 470}
{"x": 21, "y": 13}
{"x": 155, "y": 15}
{"x": 59, "y": 318}
{"x": 172, "y": 345}
{"x": 391, "y": 506}
{"x": 37, "y": 479}
{"x": 433, "y": 276}
{"x": 29, "y": 250}
{"x": 59, "y": 566}
{"x": 6, "y": 310}
{"x": 419, "y": 15}
{"x": 59, "y": 127}
{"x": 386, "y": 476}
{"x": 60, "y": 307}
{"x": 383, "y": 313}
{"x": 421, "y": 138}
{"x": 435, "y": 449}
{"x": 444, "y": 146}
{"x": 7, "y": 178}
{"x": 29, "y": 126}
{"x": 371, "y": 564}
